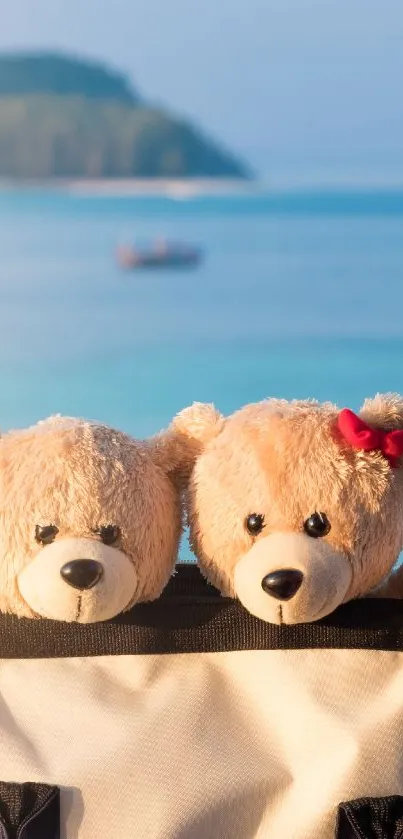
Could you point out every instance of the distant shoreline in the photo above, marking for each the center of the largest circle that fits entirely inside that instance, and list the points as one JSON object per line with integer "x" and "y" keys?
{"x": 188, "y": 188}
{"x": 172, "y": 188}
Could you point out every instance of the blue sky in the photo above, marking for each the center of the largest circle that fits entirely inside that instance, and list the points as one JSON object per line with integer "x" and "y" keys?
{"x": 291, "y": 84}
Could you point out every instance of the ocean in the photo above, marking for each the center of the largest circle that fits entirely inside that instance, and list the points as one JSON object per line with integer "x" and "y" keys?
{"x": 300, "y": 295}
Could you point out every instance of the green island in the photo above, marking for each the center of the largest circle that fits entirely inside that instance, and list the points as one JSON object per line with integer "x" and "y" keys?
{"x": 64, "y": 117}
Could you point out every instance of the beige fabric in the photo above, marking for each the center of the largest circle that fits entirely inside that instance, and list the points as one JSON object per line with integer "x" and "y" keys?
{"x": 241, "y": 745}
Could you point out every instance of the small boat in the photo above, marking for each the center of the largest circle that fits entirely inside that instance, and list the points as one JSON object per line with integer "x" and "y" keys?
{"x": 161, "y": 255}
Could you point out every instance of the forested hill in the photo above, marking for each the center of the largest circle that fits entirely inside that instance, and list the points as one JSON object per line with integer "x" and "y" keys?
{"x": 67, "y": 117}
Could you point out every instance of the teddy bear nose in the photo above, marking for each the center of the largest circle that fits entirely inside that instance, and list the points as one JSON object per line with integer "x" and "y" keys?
{"x": 282, "y": 584}
{"x": 82, "y": 573}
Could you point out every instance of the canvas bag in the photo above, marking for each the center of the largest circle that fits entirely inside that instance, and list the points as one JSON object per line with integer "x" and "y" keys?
{"x": 188, "y": 718}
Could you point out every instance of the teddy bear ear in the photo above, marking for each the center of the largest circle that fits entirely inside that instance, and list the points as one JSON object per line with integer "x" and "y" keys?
{"x": 176, "y": 449}
{"x": 385, "y": 411}
{"x": 200, "y": 422}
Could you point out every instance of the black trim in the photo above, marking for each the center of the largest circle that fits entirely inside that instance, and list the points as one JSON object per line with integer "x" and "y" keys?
{"x": 371, "y": 818}
{"x": 29, "y": 811}
{"x": 192, "y": 617}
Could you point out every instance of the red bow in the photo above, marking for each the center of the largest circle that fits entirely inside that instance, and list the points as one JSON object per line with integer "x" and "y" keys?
{"x": 362, "y": 436}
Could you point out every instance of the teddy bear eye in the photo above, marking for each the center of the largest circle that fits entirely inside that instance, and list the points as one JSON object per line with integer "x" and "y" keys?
{"x": 254, "y": 523}
{"x": 46, "y": 534}
{"x": 109, "y": 533}
{"x": 317, "y": 525}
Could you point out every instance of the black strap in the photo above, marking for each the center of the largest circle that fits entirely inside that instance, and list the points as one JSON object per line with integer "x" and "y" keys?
{"x": 192, "y": 617}
{"x": 29, "y": 811}
{"x": 371, "y": 818}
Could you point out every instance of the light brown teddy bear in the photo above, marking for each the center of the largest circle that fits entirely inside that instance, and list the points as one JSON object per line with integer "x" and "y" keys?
{"x": 90, "y": 519}
{"x": 297, "y": 507}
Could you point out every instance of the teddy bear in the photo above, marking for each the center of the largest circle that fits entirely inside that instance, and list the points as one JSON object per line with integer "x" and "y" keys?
{"x": 296, "y": 507}
{"x": 90, "y": 519}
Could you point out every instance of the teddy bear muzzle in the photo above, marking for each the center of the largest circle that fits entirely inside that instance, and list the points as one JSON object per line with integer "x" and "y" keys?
{"x": 291, "y": 578}
{"x": 78, "y": 580}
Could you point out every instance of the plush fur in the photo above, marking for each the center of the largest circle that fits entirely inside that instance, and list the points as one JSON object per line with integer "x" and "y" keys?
{"x": 80, "y": 477}
{"x": 285, "y": 461}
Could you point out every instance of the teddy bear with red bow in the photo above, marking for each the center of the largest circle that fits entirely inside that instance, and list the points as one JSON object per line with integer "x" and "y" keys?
{"x": 297, "y": 507}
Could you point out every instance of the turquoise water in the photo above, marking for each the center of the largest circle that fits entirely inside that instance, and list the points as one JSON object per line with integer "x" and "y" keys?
{"x": 300, "y": 295}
